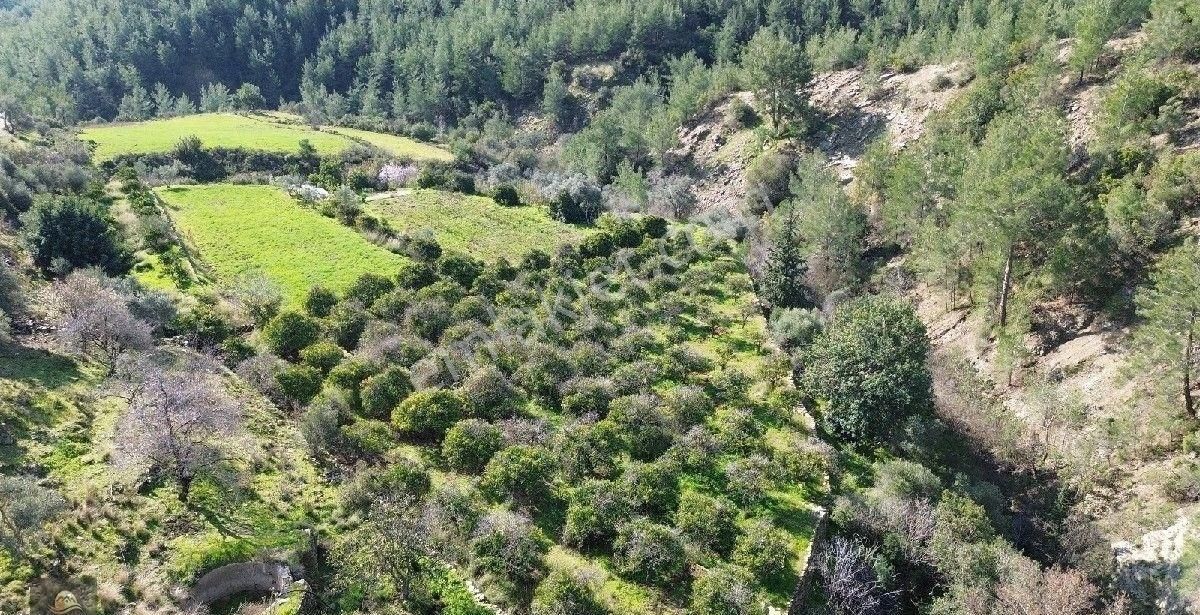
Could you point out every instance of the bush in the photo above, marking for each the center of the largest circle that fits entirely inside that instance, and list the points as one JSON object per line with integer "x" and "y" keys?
{"x": 319, "y": 424}
{"x": 73, "y": 232}
{"x": 379, "y": 394}
{"x": 522, "y": 473}
{"x": 403, "y": 479}
{"x": 323, "y": 356}
{"x": 650, "y": 553}
{"x": 506, "y": 196}
{"x": 1183, "y": 483}
{"x": 490, "y": 395}
{"x": 742, "y": 115}
{"x": 594, "y": 511}
{"x": 768, "y": 180}
{"x": 442, "y": 176}
{"x": 290, "y": 332}
{"x": 868, "y": 369}
{"x": 764, "y": 550}
{"x": 726, "y": 590}
{"x": 653, "y": 227}
{"x": 562, "y": 593}
{"x": 574, "y": 200}
{"x": 428, "y": 414}
{"x": 709, "y": 522}
{"x": 367, "y": 438}
{"x": 299, "y": 383}
{"x": 470, "y": 444}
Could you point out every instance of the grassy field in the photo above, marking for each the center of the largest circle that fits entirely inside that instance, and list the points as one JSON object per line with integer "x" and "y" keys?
{"x": 476, "y": 224}
{"x": 268, "y": 132}
{"x": 239, "y": 229}
{"x": 396, "y": 145}
{"x": 214, "y": 130}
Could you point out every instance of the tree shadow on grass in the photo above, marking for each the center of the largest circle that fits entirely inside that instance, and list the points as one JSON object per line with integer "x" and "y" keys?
{"x": 37, "y": 366}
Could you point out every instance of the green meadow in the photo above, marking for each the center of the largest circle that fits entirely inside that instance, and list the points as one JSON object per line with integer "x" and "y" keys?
{"x": 238, "y": 229}
{"x": 402, "y": 147}
{"x": 213, "y": 129}
{"x": 273, "y": 132}
{"x": 476, "y": 225}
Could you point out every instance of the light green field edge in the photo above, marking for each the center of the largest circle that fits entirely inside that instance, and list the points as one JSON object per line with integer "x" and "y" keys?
{"x": 476, "y": 224}
{"x": 402, "y": 147}
{"x": 238, "y": 229}
{"x": 272, "y": 132}
{"x": 213, "y": 129}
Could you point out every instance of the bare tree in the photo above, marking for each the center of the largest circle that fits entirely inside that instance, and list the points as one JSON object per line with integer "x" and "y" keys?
{"x": 176, "y": 415}
{"x": 848, "y": 579}
{"x": 1054, "y": 591}
{"x": 93, "y": 318}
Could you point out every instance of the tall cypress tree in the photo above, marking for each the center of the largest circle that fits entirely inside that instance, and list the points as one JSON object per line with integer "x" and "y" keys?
{"x": 783, "y": 282}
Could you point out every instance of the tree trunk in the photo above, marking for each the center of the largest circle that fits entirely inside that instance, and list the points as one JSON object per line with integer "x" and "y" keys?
{"x": 185, "y": 487}
{"x": 1189, "y": 404}
{"x": 1005, "y": 287}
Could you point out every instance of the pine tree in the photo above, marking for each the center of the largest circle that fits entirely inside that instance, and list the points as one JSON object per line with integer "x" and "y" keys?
{"x": 777, "y": 69}
{"x": 556, "y": 98}
{"x": 136, "y": 105}
{"x": 1017, "y": 208}
{"x": 783, "y": 281}
{"x": 164, "y": 103}
{"x": 1168, "y": 340}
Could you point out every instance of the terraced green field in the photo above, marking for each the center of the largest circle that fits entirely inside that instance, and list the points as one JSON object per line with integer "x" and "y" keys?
{"x": 239, "y": 229}
{"x": 272, "y": 132}
{"x": 403, "y": 147}
{"x": 214, "y": 130}
{"x": 476, "y": 224}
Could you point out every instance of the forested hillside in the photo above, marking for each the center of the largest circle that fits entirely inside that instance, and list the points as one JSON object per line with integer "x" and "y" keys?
{"x": 672, "y": 306}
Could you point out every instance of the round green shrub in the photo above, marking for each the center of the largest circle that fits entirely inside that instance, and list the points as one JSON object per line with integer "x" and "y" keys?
{"x": 428, "y": 414}
{"x": 470, "y": 444}
{"x": 649, "y": 553}
{"x": 290, "y": 332}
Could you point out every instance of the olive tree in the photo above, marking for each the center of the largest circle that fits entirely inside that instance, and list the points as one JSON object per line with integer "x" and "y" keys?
{"x": 509, "y": 551}
{"x": 563, "y": 593}
{"x": 726, "y": 590}
{"x": 648, "y": 552}
{"x": 470, "y": 444}
{"x": 25, "y": 509}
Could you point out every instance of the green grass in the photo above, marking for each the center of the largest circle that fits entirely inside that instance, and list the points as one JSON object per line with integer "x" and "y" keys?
{"x": 236, "y": 230}
{"x": 214, "y": 130}
{"x": 476, "y": 224}
{"x": 403, "y": 147}
{"x": 272, "y": 132}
